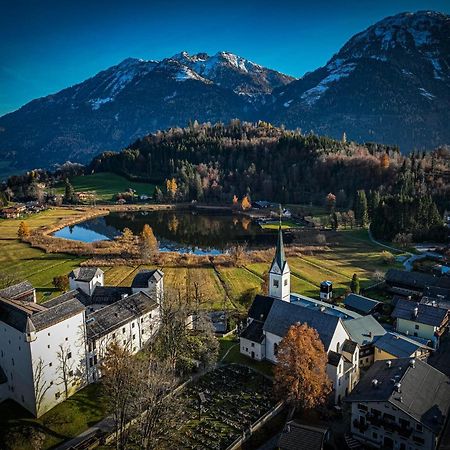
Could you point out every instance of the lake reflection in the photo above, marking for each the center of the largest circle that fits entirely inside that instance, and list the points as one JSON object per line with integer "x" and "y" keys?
{"x": 180, "y": 231}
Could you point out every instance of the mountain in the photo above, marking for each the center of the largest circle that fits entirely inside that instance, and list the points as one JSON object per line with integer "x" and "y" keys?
{"x": 390, "y": 84}
{"x": 132, "y": 99}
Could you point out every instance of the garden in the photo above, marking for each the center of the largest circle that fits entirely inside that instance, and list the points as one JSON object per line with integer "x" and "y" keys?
{"x": 221, "y": 406}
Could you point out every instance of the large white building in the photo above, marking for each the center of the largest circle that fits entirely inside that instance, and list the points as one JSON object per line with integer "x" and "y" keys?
{"x": 48, "y": 351}
{"x": 271, "y": 316}
{"x": 400, "y": 404}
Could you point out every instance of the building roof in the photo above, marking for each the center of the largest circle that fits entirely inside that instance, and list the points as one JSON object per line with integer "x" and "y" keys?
{"x": 280, "y": 257}
{"x": 105, "y": 295}
{"x": 414, "y": 280}
{"x": 326, "y": 307}
{"x": 254, "y": 331}
{"x": 349, "y": 346}
{"x": 28, "y": 316}
{"x": 260, "y": 307}
{"x": 143, "y": 277}
{"x": 283, "y": 314}
{"x": 301, "y": 437}
{"x": 364, "y": 330}
{"x": 85, "y": 274}
{"x": 16, "y": 290}
{"x": 426, "y": 314}
{"x": 360, "y": 303}
{"x": 399, "y": 346}
{"x": 334, "y": 358}
{"x": 3, "y": 377}
{"x": 439, "y": 294}
{"x": 111, "y": 317}
{"x": 424, "y": 391}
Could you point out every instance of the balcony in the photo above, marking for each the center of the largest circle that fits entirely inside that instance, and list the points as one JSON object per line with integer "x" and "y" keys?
{"x": 389, "y": 425}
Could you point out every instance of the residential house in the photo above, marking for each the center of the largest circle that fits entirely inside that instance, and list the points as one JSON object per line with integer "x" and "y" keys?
{"x": 362, "y": 305}
{"x": 394, "y": 345}
{"x": 421, "y": 320}
{"x": 296, "y": 436}
{"x": 406, "y": 284}
{"x": 400, "y": 404}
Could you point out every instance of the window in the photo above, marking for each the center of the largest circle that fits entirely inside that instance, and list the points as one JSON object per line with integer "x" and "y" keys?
{"x": 91, "y": 362}
{"x": 134, "y": 337}
{"x": 253, "y": 344}
{"x": 362, "y": 407}
{"x": 95, "y": 359}
{"x": 275, "y": 283}
{"x": 416, "y": 327}
{"x": 275, "y": 349}
{"x": 114, "y": 335}
{"x": 404, "y": 423}
{"x": 415, "y": 333}
{"x": 132, "y": 325}
{"x": 285, "y": 282}
{"x": 57, "y": 395}
{"x": 123, "y": 330}
{"x": 389, "y": 417}
{"x": 418, "y": 440}
{"x": 375, "y": 435}
{"x": 48, "y": 346}
{"x": 67, "y": 338}
{"x": 69, "y": 355}
{"x": 71, "y": 373}
{"x": 419, "y": 427}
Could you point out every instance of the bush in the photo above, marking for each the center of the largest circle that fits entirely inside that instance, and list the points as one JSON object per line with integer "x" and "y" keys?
{"x": 387, "y": 257}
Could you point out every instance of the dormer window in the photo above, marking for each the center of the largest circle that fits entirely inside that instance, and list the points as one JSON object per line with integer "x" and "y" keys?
{"x": 276, "y": 283}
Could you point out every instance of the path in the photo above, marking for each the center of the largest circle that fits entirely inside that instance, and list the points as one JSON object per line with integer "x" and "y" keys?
{"x": 228, "y": 351}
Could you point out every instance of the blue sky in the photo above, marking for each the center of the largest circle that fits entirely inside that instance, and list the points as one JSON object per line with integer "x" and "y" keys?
{"x": 47, "y": 45}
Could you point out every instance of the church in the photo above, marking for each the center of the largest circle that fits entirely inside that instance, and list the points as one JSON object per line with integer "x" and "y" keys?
{"x": 270, "y": 317}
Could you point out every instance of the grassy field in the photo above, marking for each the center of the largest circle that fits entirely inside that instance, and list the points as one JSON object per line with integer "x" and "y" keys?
{"x": 63, "y": 422}
{"x": 221, "y": 287}
{"x": 106, "y": 185}
{"x": 285, "y": 225}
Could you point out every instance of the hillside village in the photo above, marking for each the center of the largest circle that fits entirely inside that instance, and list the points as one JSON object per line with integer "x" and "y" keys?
{"x": 389, "y": 380}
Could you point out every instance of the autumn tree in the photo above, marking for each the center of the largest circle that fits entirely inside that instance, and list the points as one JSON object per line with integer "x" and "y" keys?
{"x": 300, "y": 373}
{"x": 235, "y": 203}
{"x": 330, "y": 201}
{"x": 385, "y": 161}
{"x": 171, "y": 188}
{"x": 23, "y": 231}
{"x": 149, "y": 244}
{"x": 354, "y": 284}
{"x": 61, "y": 282}
{"x": 245, "y": 203}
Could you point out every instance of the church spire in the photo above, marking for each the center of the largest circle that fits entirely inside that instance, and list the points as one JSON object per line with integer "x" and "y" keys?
{"x": 280, "y": 257}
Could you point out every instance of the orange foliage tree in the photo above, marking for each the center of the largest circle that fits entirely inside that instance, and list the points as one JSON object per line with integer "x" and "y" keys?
{"x": 300, "y": 373}
{"x": 245, "y": 204}
{"x": 385, "y": 161}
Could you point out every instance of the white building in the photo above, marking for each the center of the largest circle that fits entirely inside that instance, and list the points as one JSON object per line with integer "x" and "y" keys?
{"x": 270, "y": 317}
{"x": 48, "y": 351}
{"x": 400, "y": 404}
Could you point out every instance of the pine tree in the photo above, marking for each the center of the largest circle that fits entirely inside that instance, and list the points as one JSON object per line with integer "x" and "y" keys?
{"x": 354, "y": 284}
{"x": 69, "y": 192}
{"x": 360, "y": 208}
{"x": 23, "y": 231}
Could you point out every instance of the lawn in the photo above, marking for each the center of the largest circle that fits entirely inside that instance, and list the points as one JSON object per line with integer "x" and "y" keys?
{"x": 285, "y": 225}
{"x": 105, "y": 185}
{"x": 63, "y": 422}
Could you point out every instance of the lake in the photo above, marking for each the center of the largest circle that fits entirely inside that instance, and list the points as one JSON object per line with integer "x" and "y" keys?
{"x": 205, "y": 233}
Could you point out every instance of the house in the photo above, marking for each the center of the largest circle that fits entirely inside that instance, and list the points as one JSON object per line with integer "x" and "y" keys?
{"x": 362, "y": 305}
{"x": 407, "y": 284}
{"x": 365, "y": 331}
{"x": 270, "y": 317}
{"x": 421, "y": 320}
{"x": 394, "y": 345}
{"x": 12, "y": 212}
{"x": 48, "y": 351}
{"x": 296, "y": 436}
{"x": 400, "y": 404}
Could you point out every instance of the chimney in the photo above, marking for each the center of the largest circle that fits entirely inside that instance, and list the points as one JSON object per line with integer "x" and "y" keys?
{"x": 398, "y": 387}
{"x": 412, "y": 363}
{"x": 415, "y": 312}
{"x": 370, "y": 334}
{"x": 375, "y": 383}
{"x": 388, "y": 364}
{"x": 124, "y": 296}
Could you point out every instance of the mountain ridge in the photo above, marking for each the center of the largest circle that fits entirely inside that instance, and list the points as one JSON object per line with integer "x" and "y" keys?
{"x": 389, "y": 83}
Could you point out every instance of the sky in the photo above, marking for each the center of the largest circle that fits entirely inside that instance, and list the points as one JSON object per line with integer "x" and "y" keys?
{"x": 47, "y": 45}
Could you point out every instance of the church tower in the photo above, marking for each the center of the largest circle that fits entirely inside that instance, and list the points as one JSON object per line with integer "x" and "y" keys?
{"x": 280, "y": 274}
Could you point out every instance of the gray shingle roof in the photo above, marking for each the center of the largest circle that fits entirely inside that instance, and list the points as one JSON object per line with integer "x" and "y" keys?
{"x": 426, "y": 314}
{"x": 85, "y": 274}
{"x": 260, "y": 307}
{"x": 424, "y": 391}
{"x": 254, "y": 332}
{"x": 364, "y": 330}
{"x": 359, "y": 303}
{"x": 57, "y": 313}
{"x": 283, "y": 314}
{"x": 398, "y": 345}
{"x": 334, "y": 358}
{"x": 301, "y": 437}
{"x": 142, "y": 278}
{"x": 413, "y": 280}
{"x": 105, "y": 320}
{"x": 16, "y": 290}
{"x": 108, "y": 294}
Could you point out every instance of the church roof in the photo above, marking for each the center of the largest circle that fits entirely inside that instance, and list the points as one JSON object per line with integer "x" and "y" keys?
{"x": 280, "y": 257}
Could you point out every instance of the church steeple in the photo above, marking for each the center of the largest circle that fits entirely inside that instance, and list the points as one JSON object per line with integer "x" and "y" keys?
{"x": 279, "y": 274}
